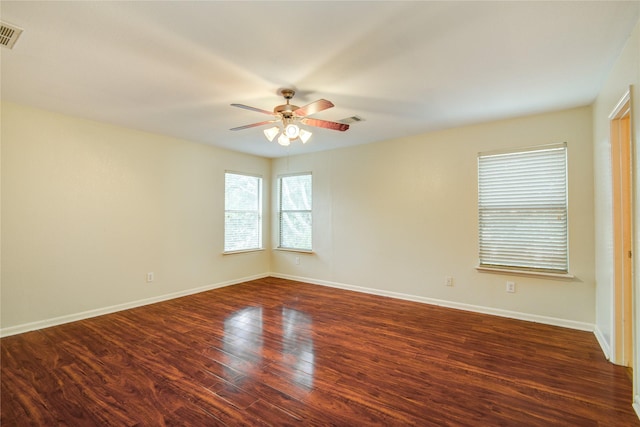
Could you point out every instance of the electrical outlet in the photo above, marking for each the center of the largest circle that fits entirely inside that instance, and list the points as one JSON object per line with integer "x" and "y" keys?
{"x": 511, "y": 287}
{"x": 297, "y": 260}
{"x": 449, "y": 281}
{"x": 150, "y": 277}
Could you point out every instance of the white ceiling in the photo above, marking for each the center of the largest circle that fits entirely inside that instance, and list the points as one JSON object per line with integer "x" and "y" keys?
{"x": 406, "y": 67}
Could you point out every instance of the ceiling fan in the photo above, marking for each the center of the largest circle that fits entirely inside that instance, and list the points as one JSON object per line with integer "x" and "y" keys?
{"x": 290, "y": 115}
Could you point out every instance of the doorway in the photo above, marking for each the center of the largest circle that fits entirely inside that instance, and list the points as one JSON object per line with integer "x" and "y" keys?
{"x": 621, "y": 158}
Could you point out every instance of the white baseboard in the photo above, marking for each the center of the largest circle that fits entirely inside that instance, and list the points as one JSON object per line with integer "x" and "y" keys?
{"x": 636, "y": 404}
{"x": 13, "y": 330}
{"x": 571, "y": 324}
{"x": 604, "y": 345}
{"x": 19, "y": 329}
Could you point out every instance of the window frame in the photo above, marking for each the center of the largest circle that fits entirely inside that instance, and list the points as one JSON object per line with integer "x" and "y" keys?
{"x": 259, "y": 211}
{"x": 526, "y": 266}
{"x": 281, "y": 211}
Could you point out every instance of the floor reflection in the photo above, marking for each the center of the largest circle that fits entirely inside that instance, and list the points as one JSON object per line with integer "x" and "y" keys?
{"x": 297, "y": 345}
{"x": 243, "y": 339}
{"x": 254, "y": 338}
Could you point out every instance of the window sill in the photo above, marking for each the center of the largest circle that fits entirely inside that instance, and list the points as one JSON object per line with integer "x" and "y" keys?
{"x": 566, "y": 276}
{"x": 242, "y": 251}
{"x": 302, "y": 251}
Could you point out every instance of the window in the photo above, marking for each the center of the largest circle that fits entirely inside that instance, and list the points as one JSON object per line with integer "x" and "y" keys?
{"x": 522, "y": 200}
{"x": 295, "y": 212}
{"x": 242, "y": 212}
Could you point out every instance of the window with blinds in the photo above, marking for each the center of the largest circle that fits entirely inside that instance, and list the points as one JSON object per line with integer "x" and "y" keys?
{"x": 522, "y": 200}
{"x": 242, "y": 212}
{"x": 295, "y": 198}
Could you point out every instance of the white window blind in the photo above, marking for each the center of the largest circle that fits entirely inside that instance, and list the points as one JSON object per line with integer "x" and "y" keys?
{"x": 522, "y": 199}
{"x": 295, "y": 212}
{"x": 242, "y": 212}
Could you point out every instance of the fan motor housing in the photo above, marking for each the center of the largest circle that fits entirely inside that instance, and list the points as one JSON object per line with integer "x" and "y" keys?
{"x": 285, "y": 110}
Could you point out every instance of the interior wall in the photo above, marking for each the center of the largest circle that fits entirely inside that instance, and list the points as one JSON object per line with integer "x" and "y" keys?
{"x": 401, "y": 215}
{"x": 624, "y": 73}
{"x": 89, "y": 208}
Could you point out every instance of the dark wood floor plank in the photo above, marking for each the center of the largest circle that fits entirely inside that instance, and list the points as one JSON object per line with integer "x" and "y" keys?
{"x": 276, "y": 352}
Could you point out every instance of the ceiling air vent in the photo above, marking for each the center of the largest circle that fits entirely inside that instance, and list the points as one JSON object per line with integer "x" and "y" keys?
{"x": 9, "y": 34}
{"x": 352, "y": 119}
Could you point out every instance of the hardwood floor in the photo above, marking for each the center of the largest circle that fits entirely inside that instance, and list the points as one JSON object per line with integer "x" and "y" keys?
{"x": 278, "y": 352}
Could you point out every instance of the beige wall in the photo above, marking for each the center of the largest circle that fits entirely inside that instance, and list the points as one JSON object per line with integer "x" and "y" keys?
{"x": 88, "y": 209}
{"x": 625, "y": 72}
{"x": 397, "y": 217}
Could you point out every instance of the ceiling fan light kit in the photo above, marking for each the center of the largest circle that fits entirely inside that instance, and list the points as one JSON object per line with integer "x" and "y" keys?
{"x": 271, "y": 133}
{"x": 292, "y": 131}
{"x": 284, "y": 140}
{"x": 288, "y": 115}
{"x": 304, "y": 135}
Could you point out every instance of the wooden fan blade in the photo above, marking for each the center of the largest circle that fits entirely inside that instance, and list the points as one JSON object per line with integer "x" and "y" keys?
{"x": 312, "y": 108}
{"x": 259, "y": 110}
{"x": 254, "y": 125}
{"x": 325, "y": 124}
